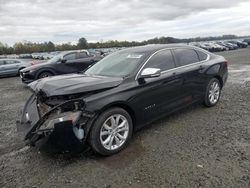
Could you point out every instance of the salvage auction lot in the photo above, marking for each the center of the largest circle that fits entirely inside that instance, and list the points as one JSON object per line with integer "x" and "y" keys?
{"x": 198, "y": 146}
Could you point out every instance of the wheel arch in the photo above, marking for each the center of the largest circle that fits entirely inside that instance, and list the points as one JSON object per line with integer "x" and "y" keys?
{"x": 19, "y": 69}
{"x": 45, "y": 70}
{"x": 220, "y": 80}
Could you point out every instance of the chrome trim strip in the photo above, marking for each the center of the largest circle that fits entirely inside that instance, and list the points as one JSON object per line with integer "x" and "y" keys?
{"x": 176, "y": 68}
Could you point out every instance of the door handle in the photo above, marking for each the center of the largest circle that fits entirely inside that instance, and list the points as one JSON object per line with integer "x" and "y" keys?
{"x": 175, "y": 75}
{"x": 201, "y": 67}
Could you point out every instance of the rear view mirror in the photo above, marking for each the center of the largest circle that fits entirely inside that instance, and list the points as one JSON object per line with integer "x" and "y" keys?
{"x": 150, "y": 73}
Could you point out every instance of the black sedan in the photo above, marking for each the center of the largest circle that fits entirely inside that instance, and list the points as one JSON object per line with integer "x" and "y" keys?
{"x": 63, "y": 63}
{"x": 120, "y": 94}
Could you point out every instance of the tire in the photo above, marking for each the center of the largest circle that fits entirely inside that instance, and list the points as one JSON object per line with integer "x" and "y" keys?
{"x": 45, "y": 74}
{"x": 105, "y": 138}
{"x": 213, "y": 92}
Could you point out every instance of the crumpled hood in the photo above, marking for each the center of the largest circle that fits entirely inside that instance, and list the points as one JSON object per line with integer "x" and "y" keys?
{"x": 73, "y": 84}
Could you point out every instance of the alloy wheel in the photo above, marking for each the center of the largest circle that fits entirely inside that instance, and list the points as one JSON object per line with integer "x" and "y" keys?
{"x": 114, "y": 132}
{"x": 45, "y": 75}
{"x": 214, "y": 92}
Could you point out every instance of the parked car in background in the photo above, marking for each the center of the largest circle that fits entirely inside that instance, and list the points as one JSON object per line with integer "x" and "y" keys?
{"x": 239, "y": 43}
{"x": 227, "y": 45}
{"x": 247, "y": 41}
{"x": 120, "y": 94}
{"x": 201, "y": 45}
{"x": 218, "y": 47}
{"x": 25, "y": 56}
{"x": 207, "y": 46}
{"x": 12, "y": 67}
{"x": 212, "y": 47}
{"x": 47, "y": 56}
{"x": 234, "y": 46}
{"x": 63, "y": 63}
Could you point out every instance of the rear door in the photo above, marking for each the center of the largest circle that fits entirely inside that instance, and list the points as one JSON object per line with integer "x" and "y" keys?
{"x": 191, "y": 68}
{"x": 83, "y": 60}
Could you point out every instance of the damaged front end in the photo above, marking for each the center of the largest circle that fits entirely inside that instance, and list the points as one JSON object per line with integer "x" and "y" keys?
{"x": 62, "y": 120}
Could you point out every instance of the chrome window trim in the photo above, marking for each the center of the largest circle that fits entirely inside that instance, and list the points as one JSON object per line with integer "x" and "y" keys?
{"x": 176, "y": 68}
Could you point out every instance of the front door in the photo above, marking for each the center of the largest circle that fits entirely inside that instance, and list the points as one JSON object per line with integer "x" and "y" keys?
{"x": 74, "y": 62}
{"x": 160, "y": 95}
{"x": 67, "y": 65}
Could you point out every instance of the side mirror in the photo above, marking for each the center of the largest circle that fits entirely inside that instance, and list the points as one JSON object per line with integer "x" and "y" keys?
{"x": 150, "y": 73}
{"x": 63, "y": 60}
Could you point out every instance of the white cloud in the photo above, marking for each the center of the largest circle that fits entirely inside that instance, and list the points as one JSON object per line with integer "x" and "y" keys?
{"x": 63, "y": 21}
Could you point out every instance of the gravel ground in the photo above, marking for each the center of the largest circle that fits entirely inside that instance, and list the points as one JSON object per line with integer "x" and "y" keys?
{"x": 196, "y": 147}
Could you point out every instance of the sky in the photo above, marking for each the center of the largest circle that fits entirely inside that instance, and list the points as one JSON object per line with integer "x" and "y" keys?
{"x": 62, "y": 21}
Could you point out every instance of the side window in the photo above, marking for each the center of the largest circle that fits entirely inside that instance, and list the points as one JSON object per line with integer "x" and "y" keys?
{"x": 81, "y": 55}
{"x": 17, "y": 62}
{"x": 185, "y": 56}
{"x": 162, "y": 60}
{"x": 1, "y": 62}
{"x": 9, "y": 62}
{"x": 71, "y": 56}
{"x": 202, "y": 55}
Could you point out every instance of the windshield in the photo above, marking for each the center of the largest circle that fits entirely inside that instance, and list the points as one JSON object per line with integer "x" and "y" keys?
{"x": 55, "y": 59}
{"x": 118, "y": 64}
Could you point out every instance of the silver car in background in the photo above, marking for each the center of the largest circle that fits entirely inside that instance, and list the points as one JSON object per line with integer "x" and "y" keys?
{"x": 12, "y": 67}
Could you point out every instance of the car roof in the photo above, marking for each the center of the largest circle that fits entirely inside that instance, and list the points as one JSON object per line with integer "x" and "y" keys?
{"x": 149, "y": 49}
{"x": 72, "y": 51}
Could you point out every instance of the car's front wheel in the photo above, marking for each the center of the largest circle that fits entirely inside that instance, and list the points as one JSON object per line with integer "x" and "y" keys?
{"x": 111, "y": 132}
{"x": 213, "y": 93}
{"x": 45, "y": 74}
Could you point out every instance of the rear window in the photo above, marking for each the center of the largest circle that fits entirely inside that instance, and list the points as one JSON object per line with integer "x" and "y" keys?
{"x": 202, "y": 56}
{"x": 185, "y": 56}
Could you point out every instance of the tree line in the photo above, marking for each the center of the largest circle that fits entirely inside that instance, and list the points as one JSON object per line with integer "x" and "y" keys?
{"x": 30, "y": 47}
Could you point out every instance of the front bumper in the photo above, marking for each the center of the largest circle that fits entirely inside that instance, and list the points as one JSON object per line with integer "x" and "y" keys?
{"x": 27, "y": 77}
{"x": 63, "y": 134}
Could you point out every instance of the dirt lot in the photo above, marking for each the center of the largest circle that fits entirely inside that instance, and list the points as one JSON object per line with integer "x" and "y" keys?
{"x": 197, "y": 147}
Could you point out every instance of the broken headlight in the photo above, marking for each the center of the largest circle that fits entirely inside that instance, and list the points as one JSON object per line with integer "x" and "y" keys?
{"x": 59, "y": 118}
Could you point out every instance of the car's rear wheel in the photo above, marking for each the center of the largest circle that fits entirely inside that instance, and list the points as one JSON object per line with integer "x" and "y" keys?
{"x": 213, "y": 93}
{"x": 111, "y": 131}
{"x": 45, "y": 74}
